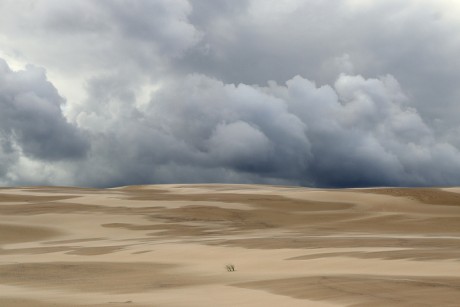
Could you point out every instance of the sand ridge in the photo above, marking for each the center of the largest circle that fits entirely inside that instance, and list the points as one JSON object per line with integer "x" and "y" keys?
{"x": 168, "y": 245}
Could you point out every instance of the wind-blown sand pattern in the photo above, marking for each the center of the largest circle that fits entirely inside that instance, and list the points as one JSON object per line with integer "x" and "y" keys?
{"x": 168, "y": 245}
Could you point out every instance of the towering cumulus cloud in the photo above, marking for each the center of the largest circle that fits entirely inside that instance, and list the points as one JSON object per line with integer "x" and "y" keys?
{"x": 314, "y": 93}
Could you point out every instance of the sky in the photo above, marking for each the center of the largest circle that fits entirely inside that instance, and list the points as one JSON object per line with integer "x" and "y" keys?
{"x": 337, "y": 93}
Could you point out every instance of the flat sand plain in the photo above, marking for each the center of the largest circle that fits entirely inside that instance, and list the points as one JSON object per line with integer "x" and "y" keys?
{"x": 168, "y": 245}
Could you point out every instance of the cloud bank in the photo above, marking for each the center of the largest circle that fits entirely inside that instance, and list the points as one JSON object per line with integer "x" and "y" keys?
{"x": 313, "y": 93}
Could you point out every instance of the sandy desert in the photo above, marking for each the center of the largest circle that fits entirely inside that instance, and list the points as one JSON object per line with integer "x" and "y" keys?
{"x": 170, "y": 245}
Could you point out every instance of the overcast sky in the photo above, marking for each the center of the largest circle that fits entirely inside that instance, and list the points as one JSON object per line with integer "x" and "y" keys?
{"x": 337, "y": 93}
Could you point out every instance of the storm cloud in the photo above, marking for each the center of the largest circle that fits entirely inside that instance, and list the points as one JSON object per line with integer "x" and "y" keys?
{"x": 313, "y": 93}
{"x": 31, "y": 122}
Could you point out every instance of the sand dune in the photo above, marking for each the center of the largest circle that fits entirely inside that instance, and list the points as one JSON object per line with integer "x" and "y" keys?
{"x": 168, "y": 245}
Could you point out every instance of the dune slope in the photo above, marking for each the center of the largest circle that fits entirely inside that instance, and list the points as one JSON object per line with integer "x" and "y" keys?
{"x": 168, "y": 245}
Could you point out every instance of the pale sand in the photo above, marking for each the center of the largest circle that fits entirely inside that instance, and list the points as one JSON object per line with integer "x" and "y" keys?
{"x": 168, "y": 245}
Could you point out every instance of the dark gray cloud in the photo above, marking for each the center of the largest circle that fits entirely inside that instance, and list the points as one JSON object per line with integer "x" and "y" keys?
{"x": 415, "y": 41}
{"x": 356, "y": 132}
{"x": 362, "y": 93}
{"x": 32, "y": 125}
{"x": 31, "y": 119}
{"x": 91, "y": 37}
